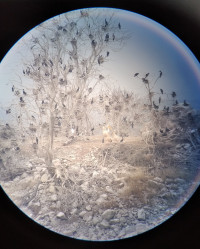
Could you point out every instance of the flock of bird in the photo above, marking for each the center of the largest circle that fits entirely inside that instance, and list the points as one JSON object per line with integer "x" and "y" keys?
{"x": 173, "y": 94}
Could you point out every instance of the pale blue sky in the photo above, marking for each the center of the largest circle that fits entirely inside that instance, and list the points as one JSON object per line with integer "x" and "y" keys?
{"x": 150, "y": 49}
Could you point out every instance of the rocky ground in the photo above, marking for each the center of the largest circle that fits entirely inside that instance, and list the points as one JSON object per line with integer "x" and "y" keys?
{"x": 96, "y": 191}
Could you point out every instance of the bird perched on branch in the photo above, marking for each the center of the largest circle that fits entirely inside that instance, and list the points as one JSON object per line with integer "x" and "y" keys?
{"x": 107, "y": 37}
{"x": 94, "y": 43}
{"x": 100, "y": 59}
{"x": 136, "y": 74}
{"x": 160, "y": 73}
{"x": 185, "y": 103}
{"x": 13, "y": 88}
{"x": 147, "y": 74}
{"x": 24, "y": 92}
{"x": 155, "y": 106}
{"x": 101, "y": 77}
{"x": 119, "y": 25}
{"x": 113, "y": 37}
{"x": 161, "y": 90}
{"x": 173, "y": 94}
{"x": 106, "y": 23}
{"x": 8, "y": 111}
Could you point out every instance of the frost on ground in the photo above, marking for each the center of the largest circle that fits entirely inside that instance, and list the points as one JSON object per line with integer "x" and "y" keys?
{"x": 99, "y": 191}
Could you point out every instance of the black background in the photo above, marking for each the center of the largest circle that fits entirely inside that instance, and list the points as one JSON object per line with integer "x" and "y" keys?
{"x": 17, "y": 17}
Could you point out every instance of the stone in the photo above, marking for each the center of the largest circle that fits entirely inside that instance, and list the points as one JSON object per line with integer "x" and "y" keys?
{"x": 35, "y": 207}
{"x": 114, "y": 221}
{"x": 95, "y": 173}
{"x": 88, "y": 216}
{"x": 121, "y": 185}
{"x": 108, "y": 214}
{"x": 88, "y": 208}
{"x": 81, "y": 214}
{"x": 56, "y": 162}
{"x": 140, "y": 228}
{"x": 109, "y": 189}
{"x": 104, "y": 196}
{"x": 74, "y": 210}
{"x": 54, "y": 197}
{"x": 104, "y": 224}
{"x": 100, "y": 200}
{"x": 141, "y": 214}
{"x": 44, "y": 178}
{"x": 95, "y": 220}
{"x": 58, "y": 204}
{"x": 130, "y": 230}
{"x": 61, "y": 216}
{"x": 52, "y": 189}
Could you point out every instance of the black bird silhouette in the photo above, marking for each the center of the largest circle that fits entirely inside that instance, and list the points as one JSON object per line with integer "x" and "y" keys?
{"x": 113, "y": 37}
{"x": 159, "y": 100}
{"x": 8, "y": 111}
{"x": 91, "y": 36}
{"x": 107, "y": 37}
{"x": 185, "y": 103}
{"x": 94, "y": 43}
{"x": 173, "y": 94}
{"x": 136, "y": 74}
{"x": 122, "y": 139}
{"x": 100, "y": 59}
{"x": 107, "y": 53}
{"x": 92, "y": 101}
{"x": 161, "y": 90}
{"x": 161, "y": 131}
{"x": 119, "y": 25}
{"x": 106, "y": 23}
{"x": 155, "y": 106}
{"x": 160, "y": 74}
{"x": 101, "y": 77}
{"x": 147, "y": 74}
{"x": 167, "y": 130}
{"x": 71, "y": 68}
{"x": 145, "y": 80}
{"x": 13, "y": 88}
{"x": 77, "y": 89}
{"x": 24, "y": 92}
{"x": 176, "y": 103}
{"x": 36, "y": 140}
{"x": 167, "y": 109}
{"x": 21, "y": 99}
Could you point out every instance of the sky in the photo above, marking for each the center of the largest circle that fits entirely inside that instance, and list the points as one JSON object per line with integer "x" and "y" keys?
{"x": 151, "y": 48}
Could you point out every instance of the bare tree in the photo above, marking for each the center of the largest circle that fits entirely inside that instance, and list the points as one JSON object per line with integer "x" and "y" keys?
{"x": 65, "y": 67}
